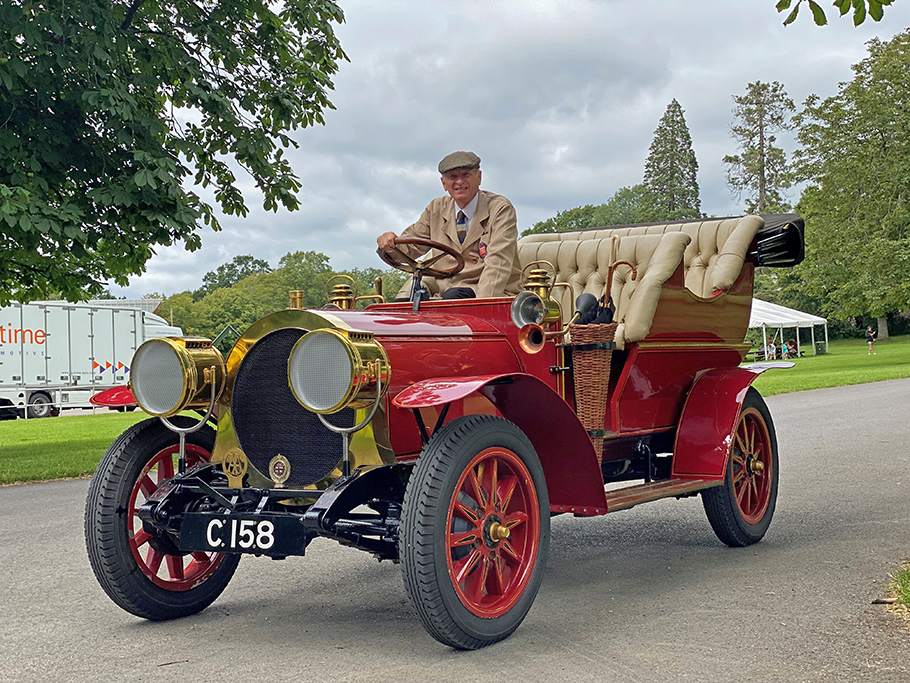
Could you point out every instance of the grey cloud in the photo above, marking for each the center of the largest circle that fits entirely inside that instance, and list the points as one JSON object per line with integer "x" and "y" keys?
{"x": 560, "y": 99}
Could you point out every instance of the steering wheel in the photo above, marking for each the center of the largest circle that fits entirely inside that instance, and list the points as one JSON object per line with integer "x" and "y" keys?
{"x": 400, "y": 260}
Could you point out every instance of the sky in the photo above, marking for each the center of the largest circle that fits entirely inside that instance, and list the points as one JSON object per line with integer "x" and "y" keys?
{"x": 559, "y": 98}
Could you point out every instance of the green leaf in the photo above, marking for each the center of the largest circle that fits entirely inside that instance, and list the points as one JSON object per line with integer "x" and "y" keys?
{"x": 817, "y": 13}
{"x": 875, "y": 10}
{"x": 859, "y": 12}
{"x": 792, "y": 16}
{"x": 843, "y": 6}
{"x": 782, "y": 5}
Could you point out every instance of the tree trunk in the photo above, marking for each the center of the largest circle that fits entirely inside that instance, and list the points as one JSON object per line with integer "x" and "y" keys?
{"x": 882, "y": 327}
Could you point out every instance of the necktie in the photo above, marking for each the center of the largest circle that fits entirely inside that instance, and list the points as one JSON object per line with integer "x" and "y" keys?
{"x": 461, "y": 225}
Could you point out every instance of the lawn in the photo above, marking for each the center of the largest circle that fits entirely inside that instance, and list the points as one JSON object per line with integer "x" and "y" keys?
{"x": 57, "y": 448}
{"x": 847, "y": 362}
{"x": 71, "y": 446}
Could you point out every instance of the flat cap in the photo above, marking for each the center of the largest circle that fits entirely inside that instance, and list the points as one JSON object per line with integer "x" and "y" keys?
{"x": 458, "y": 160}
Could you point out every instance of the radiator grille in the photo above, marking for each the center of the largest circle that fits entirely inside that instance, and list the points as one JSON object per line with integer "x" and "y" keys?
{"x": 268, "y": 420}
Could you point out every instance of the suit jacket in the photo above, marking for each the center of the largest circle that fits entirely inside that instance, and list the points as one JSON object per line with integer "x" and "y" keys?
{"x": 490, "y": 249}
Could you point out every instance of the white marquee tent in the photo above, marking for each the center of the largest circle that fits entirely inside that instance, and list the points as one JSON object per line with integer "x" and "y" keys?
{"x": 775, "y": 318}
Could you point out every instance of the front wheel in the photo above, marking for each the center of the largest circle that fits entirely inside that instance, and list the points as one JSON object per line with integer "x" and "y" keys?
{"x": 475, "y": 531}
{"x": 138, "y": 576}
{"x": 740, "y": 511}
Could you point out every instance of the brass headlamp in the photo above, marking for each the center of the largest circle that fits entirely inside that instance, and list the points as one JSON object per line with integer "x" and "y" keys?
{"x": 331, "y": 369}
{"x": 171, "y": 374}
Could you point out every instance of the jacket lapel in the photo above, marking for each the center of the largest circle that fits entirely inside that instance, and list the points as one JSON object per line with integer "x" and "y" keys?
{"x": 448, "y": 223}
{"x": 479, "y": 222}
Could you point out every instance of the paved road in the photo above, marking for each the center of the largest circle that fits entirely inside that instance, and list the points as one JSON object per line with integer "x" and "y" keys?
{"x": 642, "y": 595}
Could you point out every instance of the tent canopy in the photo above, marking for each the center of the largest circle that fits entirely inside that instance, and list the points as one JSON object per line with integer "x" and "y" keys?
{"x": 765, "y": 314}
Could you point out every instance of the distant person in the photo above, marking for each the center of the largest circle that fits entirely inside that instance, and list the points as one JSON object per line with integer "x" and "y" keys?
{"x": 870, "y": 340}
{"x": 771, "y": 351}
{"x": 478, "y": 224}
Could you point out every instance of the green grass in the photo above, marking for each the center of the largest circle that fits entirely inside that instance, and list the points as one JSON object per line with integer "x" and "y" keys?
{"x": 847, "y": 362}
{"x": 900, "y": 584}
{"x": 58, "y": 448}
{"x": 71, "y": 446}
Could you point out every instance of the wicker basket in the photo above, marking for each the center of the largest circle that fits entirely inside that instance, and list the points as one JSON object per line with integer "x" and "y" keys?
{"x": 591, "y": 368}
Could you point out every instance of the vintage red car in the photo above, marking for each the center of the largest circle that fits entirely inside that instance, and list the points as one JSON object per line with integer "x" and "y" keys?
{"x": 444, "y": 434}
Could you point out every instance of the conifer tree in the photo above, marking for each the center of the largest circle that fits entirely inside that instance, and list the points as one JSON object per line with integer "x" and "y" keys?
{"x": 760, "y": 170}
{"x": 670, "y": 170}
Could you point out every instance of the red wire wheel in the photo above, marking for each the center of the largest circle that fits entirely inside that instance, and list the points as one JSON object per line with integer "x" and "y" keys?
{"x": 172, "y": 572}
{"x": 740, "y": 511}
{"x": 144, "y": 575}
{"x": 753, "y": 467}
{"x": 494, "y": 531}
{"x": 475, "y": 531}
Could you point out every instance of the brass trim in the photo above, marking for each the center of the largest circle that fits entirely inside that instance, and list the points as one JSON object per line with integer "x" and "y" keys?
{"x": 201, "y": 365}
{"x": 369, "y": 363}
{"x": 368, "y": 447}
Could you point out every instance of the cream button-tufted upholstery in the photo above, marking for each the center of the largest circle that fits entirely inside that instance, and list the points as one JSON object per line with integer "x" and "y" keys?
{"x": 713, "y": 259}
{"x": 712, "y": 253}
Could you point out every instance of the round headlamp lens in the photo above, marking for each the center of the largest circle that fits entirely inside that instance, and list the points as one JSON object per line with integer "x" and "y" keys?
{"x": 528, "y": 309}
{"x": 321, "y": 371}
{"x": 157, "y": 378}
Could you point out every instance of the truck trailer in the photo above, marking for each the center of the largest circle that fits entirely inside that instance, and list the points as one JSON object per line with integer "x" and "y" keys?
{"x": 55, "y": 354}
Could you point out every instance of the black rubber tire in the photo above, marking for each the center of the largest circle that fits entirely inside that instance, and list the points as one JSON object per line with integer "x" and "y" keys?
{"x": 39, "y": 406}
{"x": 720, "y": 503}
{"x": 424, "y": 526}
{"x": 106, "y": 530}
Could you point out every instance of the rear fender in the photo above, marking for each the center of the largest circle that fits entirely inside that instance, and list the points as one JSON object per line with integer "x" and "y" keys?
{"x": 705, "y": 433}
{"x": 574, "y": 479}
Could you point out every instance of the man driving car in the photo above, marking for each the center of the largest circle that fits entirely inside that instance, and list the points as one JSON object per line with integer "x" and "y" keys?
{"x": 479, "y": 225}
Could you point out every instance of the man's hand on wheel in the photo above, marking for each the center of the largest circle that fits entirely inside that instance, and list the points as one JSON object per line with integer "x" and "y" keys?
{"x": 386, "y": 241}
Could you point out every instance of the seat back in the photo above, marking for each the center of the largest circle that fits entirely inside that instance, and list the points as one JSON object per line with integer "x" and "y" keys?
{"x": 713, "y": 258}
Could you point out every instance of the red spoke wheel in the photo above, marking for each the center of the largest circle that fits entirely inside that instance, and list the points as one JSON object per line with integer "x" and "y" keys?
{"x": 740, "y": 511}
{"x": 137, "y": 571}
{"x": 475, "y": 531}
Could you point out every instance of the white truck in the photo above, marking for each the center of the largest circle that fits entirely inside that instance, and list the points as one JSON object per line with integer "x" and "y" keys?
{"x": 55, "y": 354}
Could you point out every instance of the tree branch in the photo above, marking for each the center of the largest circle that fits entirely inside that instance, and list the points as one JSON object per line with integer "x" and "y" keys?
{"x": 130, "y": 13}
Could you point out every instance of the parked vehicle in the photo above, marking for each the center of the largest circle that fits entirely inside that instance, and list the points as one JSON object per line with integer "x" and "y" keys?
{"x": 444, "y": 434}
{"x": 55, "y": 354}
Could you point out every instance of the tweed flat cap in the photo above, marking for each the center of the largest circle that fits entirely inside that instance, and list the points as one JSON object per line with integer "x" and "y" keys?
{"x": 458, "y": 160}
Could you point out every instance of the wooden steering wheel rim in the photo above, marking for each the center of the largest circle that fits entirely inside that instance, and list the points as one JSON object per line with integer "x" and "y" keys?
{"x": 401, "y": 261}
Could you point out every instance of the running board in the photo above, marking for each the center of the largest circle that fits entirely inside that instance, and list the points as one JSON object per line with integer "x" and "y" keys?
{"x": 622, "y": 499}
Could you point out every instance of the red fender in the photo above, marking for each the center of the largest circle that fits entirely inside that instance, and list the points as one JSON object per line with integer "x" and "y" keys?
{"x": 114, "y": 397}
{"x": 574, "y": 479}
{"x": 705, "y": 432}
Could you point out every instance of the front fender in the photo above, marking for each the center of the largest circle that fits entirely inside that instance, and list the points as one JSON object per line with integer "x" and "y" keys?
{"x": 705, "y": 432}
{"x": 574, "y": 479}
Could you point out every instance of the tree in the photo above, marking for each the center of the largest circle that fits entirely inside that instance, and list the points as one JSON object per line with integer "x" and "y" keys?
{"x": 109, "y": 107}
{"x": 671, "y": 170}
{"x": 861, "y": 9}
{"x": 855, "y": 157}
{"x": 228, "y": 274}
{"x": 760, "y": 169}
{"x": 624, "y": 207}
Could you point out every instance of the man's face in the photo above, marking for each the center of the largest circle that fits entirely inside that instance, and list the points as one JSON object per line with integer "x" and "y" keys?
{"x": 462, "y": 184}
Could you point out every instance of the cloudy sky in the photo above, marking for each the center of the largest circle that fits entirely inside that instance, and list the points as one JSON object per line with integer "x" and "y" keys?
{"x": 560, "y": 98}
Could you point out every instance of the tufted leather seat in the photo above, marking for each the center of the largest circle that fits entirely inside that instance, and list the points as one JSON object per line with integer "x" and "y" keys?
{"x": 712, "y": 260}
{"x": 712, "y": 253}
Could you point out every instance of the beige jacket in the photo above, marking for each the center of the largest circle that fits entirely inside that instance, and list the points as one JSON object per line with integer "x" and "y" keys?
{"x": 490, "y": 249}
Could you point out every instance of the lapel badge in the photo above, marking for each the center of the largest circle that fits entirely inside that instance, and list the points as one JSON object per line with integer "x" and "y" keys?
{"x": 482, "y": 250}
{"x": 279, "y": 470}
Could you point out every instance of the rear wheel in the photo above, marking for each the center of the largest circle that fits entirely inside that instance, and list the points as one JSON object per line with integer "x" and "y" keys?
{"x": 740, "y": 511}
{"x": 138, "y": 576}
{"x": 39, "y": 405}
{"x": 475, "y": 531}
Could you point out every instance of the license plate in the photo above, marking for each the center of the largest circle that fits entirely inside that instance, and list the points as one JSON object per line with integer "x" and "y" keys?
{"x": 243, "y": 533}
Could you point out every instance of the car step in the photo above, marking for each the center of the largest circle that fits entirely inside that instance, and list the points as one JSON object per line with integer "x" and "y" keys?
{"x": 630, "y": 496}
